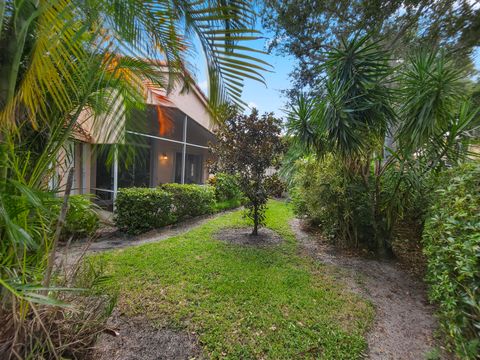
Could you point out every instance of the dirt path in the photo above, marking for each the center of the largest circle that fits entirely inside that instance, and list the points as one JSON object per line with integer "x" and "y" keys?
{"x": 404, "y": 322}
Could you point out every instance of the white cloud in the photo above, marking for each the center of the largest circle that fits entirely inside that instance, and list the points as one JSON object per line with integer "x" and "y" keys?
{"x": 203, "y": 85}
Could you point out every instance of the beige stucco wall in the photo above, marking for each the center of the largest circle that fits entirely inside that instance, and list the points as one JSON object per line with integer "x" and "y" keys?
{"x": 76, "y": 155}
{"x": 86, "y": 168}
{"x": 191, "y": 102}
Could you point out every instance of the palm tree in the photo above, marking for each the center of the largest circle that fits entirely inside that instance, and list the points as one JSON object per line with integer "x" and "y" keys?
{"x": 61, "y": 57}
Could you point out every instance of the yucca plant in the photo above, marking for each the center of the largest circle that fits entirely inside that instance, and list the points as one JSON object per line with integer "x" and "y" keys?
{"x": 422, "y": 104}
{"x": 438, "y": 120}
{"x": 353, "y": 114}
{"x": 63, "y": 60}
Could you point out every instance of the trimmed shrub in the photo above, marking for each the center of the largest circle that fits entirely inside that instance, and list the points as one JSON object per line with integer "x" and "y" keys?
{"x": 190, "y": 200}
{"x": 141, "y": 209}
{"x": 226, "y": 187}
{"x": 275, "y": 186}
{"x": 451, "y": 240}
{"x": 81, "y": 220}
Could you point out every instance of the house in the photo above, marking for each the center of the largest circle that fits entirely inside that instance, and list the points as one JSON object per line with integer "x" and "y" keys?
{"x": 167, "y": 142}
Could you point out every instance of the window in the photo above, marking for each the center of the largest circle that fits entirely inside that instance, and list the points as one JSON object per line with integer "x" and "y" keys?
{"x": 104, "y": 173}
{"x": 193, "y": 168}
{"x": 103, "y": 181}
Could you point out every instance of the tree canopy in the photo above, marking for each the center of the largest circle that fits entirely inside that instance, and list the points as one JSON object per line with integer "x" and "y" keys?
{"x": 247, "y": 146}
{"x": 308, "y": 29}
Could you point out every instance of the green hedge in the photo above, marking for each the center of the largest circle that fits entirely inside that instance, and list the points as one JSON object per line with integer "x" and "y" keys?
{"x": 138, "y": 210}
{"x": 141, "y": 209}
{"x": 190, "y": 200}
{"x": 452, "y": 245}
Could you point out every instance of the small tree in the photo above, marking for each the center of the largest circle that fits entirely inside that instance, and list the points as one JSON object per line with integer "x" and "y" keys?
{"x": 247, "y": 146}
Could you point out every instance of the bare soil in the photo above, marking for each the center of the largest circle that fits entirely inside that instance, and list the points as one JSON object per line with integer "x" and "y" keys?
{"x": 404, "y": 324}
{"x": 136, "y": 339}
{"x": 242, "y": 236}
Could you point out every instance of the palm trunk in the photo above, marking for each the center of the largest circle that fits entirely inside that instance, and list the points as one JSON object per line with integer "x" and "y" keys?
{"x": 58, "y": 230}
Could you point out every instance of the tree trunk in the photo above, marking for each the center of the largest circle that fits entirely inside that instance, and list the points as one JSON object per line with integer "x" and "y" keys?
{"x": 384, "y": 249}
{"x": 58, "y": 231}
{"x": 255, "y": 220}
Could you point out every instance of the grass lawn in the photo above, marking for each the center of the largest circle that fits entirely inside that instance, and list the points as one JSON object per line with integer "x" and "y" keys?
{"x": 242, "y": 302}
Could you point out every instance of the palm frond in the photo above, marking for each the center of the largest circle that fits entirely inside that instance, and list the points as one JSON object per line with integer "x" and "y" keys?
{"x": 228, "y": 23}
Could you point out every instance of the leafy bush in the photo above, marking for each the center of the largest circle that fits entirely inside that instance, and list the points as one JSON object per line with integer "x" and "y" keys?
{"x": 81, "y": 220}
{"x": 313, "y": 193}
{"x": 141, "y": 209}
{"x": 226, "y": 187}
{"x": 339, "y": 205}
{"x": 452, "y": 245}
{"x": 275, "y": 186}
{"x": 190, "y": 200}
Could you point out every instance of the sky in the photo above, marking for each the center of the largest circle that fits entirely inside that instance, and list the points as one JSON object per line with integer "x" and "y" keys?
{"x": 476, "y": 58}
{"x": 268, "y": 98}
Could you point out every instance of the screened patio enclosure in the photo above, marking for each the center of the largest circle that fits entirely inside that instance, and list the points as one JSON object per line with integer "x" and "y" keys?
{"x": 162, "y": 145}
